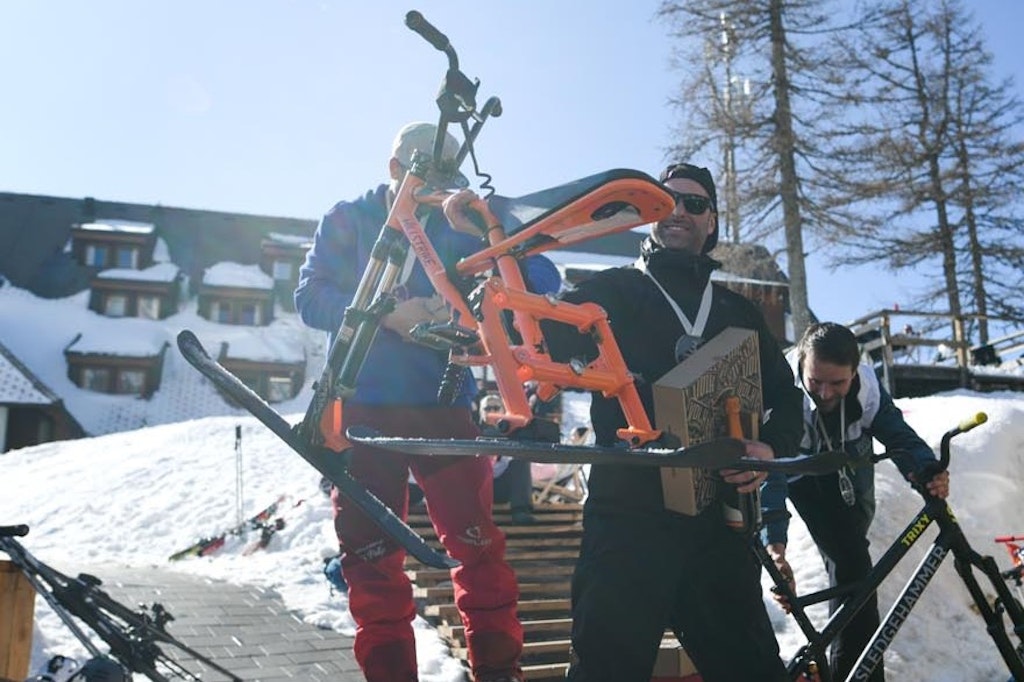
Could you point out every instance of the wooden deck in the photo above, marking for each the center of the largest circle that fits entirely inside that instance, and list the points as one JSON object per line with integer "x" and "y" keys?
{"x": 543, "y": 556}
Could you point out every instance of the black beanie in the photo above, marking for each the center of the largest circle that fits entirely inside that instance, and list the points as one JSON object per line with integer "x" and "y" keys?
{"x": 702, "y": 176}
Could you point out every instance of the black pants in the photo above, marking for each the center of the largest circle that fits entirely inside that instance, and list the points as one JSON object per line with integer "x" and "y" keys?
{"x": 638, "y": 575}
{"x": 841, "y": 534}
{"x": 515, "y": 485}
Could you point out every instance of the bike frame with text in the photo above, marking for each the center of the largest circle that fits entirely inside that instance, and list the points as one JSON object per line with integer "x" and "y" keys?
{"x": 950, "y": 540}
{"x": 494, "y": 319}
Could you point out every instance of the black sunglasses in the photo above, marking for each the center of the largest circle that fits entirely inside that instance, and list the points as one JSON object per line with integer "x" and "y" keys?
{"x": 694, "y": 204}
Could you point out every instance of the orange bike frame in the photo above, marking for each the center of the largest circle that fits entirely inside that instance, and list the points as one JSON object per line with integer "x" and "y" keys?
{"x": 504, "y": 289}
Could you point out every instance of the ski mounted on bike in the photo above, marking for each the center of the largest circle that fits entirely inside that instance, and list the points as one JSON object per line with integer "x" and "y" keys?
{"x": 720, "y": 453}
{"x": 133, "y": 637}
{"x": 483, "y": 292}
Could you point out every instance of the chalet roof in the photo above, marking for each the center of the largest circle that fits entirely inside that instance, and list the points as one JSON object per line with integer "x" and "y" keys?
{"x": 257, "y": 346}
{"x": 36, "y": 330}
{"x": 126, "y": 337}
{"x": 18, "y": 386}
{"x": 161, "y": 272}
{"x": 237, "y": 276}
{"x": 117, "y": 225}
{"x": 291, "y": 240}
{"x": 34, "y": 231}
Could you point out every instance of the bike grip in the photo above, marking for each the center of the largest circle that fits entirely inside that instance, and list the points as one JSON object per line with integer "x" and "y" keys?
{"x": 18, "y": 531}
{"x": 972, "y": 421}
{"x": 1010, "y": 538}
{"x": 416, "y": 22}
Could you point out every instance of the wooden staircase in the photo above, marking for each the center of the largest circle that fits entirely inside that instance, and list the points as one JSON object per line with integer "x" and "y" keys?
{"x": 543, "y": 556}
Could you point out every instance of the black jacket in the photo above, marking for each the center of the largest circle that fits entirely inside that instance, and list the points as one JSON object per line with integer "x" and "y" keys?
{"x": 646, "y": 329}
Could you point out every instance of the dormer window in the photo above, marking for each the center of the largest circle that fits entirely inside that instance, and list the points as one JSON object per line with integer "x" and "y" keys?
{"x": 127, "y": 258}
{"x": 96, "y": 255}
{"x": 115, "y": 305}
{"x": 283, "y": 270}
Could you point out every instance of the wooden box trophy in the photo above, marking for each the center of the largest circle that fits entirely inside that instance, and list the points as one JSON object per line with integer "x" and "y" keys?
{"x": 689, "y": 401}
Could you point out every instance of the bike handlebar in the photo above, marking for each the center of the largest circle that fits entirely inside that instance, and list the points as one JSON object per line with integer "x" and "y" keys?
{"x": 963, "y": 427}
{"x": 1010, "y": 538}
{"x": 18, "y": 531}
{"x": 415, "y": 21}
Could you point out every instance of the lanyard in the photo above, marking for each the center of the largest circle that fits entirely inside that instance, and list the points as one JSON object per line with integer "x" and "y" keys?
{"x": 846, "y": 490}
{"x": 823, "y": 434}
{"x": 695, "y": 328}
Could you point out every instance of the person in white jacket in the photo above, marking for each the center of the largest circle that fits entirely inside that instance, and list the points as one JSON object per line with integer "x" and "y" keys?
{"x": 845, "y": 408}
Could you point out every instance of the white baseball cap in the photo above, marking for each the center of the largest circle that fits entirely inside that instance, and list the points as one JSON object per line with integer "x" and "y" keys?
{"x": 420, "y": 136}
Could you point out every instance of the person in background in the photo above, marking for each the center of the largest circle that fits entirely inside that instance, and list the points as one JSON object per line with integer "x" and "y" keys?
{"x": 396, "y": 393}
{"x": 643, "y": 568}
{"x": 512, "y": 479}
{"x": 844, "y": 408}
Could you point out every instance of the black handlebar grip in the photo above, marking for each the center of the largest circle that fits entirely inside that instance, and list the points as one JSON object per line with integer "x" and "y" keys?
{"x": 416, "y": 22}
{"x": 13, "y": 531}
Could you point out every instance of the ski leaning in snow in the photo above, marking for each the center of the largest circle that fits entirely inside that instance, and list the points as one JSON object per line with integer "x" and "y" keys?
{"x": 721, "y": 453}
{"x": 268, "y": 528}
{"x": 329, "y": 463}
{"x": 211, "y": 544}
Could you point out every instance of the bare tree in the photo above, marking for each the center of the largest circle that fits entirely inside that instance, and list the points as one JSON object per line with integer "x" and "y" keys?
{"x": 928, "y": 164}
{"x": 769, "y": 141}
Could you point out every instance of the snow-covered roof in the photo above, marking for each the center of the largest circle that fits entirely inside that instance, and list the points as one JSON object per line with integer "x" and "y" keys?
{"x": 36, "y": 331}
{"x": 229, "y": 274}
{"x": 117, "y": 225}
{"x": 161, "y": 272}
{"x": 254, "y": 344}
{"x": 18, "y": 386}
{"x": 127, "y": 337}
{"x": 161, "y": 252}
{"x": 299, "y": 241}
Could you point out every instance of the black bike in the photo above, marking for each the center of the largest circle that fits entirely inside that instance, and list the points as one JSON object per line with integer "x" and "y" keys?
{"x": 810, "y": 661}
{"x": 133, "y": 637}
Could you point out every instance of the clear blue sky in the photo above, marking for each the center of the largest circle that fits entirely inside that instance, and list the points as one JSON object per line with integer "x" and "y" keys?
{"x": 284, "y": 107}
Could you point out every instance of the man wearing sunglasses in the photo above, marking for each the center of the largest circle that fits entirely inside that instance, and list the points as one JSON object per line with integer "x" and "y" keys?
{"x": 640, "y": 563}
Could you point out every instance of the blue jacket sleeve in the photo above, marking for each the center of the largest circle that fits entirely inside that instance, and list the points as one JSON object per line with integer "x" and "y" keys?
{"x": 889, "y": 428}
{"x": 329, "y": 277}
{"x": 541, "y": 275}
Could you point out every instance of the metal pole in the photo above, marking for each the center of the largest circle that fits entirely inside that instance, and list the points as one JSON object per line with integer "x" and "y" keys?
{"x": 238, "y": 475}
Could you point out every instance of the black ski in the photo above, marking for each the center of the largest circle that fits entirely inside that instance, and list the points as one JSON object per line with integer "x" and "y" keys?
{"x": 327, "y": 462}
{"x": 722, "y": 453}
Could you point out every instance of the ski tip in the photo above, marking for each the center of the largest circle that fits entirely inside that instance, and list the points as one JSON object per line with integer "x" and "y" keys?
{"x": 188, "y": 341}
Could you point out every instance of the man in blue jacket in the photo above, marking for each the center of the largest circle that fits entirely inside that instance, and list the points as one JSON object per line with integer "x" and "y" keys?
{"x": 845, "y": 407}
{"x": 396, "y": 393}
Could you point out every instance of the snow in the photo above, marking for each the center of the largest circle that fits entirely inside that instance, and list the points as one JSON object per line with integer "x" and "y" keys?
{"x": 118, "y": 225}
{"x": 37, "y": 330}
{"x": 154, "y": 480}
{"x": 137, "y": 497}
{"x": 161, "y": 272}
{"x": 237, "y": 275}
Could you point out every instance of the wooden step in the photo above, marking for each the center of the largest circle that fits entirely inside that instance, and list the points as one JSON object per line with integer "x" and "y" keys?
{"x": 551, "y": 646}
{"x": 431, "y": 576}
{"x": 436, "y": 594}
{"x": 448, "y": 613}
{"x": 546, "y": 671}
{"x": 560, "y": 626}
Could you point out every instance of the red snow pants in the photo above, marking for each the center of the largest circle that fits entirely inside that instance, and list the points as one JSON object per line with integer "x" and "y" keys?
{"x": 459, "y": 493}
